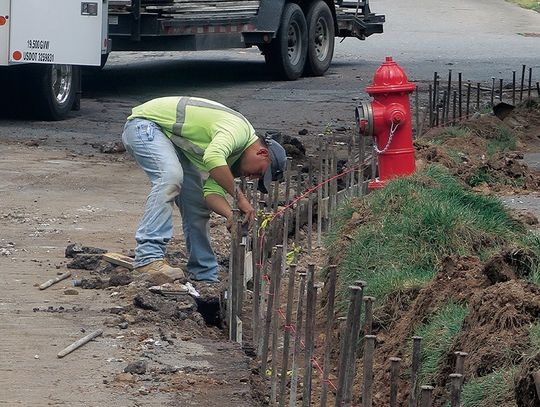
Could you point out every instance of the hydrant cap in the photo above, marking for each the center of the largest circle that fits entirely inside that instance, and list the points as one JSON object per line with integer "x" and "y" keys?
{"x": 390, "y": 78}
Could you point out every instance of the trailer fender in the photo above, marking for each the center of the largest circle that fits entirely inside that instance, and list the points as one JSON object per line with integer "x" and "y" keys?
{"x": 269, "y": 16}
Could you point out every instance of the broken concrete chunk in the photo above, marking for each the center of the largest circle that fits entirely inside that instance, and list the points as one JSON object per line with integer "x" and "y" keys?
{"x": 77, "y": 248}
{"x": 119, "y": 279}
{"x": 85, "y": 261}
{"x": 138, "y": 367}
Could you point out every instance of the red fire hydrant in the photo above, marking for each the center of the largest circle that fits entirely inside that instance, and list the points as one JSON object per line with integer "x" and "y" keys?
{"x": 388, "y": 120}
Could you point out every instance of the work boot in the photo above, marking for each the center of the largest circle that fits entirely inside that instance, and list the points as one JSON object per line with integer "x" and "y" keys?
{"x": 160, "y": 272}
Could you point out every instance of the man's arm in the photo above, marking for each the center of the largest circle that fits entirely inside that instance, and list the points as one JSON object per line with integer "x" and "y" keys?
{"x": 219, "y": 205}
{"x": 223, "y": 176}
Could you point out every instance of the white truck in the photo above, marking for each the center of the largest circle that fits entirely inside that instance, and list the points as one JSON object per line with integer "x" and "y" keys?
{"x": 44, "y": 43}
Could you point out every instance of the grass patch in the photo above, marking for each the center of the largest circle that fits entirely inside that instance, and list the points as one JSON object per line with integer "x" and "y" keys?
{"x": 482, "y": 175}
{"x": 529, "y": 4}
{"x": 503, "y": 139}
{"x": 490, "y": 390}
{"x": 437, "y": 336}
{"x": 414, "y": 222}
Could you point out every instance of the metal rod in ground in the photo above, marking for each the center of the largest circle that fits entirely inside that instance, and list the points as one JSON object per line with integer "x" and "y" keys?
{"x": 298, "y": 205}
{"x": 255, "y": 253}
{"x": 468, "y": 102}
{"x": 426, "y": 396}
{"x": 430, "y": 105}
{"x": 367, "y": 387}
{"x": 297, "y": 341}
{"x": 416, "y": 111}
{"x": 232, "y": 298}
{"x": 435, "y": 89}
{"x": 444, "y": 118}
{"x": 394, "y": 380}
{"x": 448, "y": 92}
{"x": 361, "y": 158}
{"x": 514, "y": 88}
{"x": 460, "y": 93}
{"x": 455, "y": 389}
{"x": 492, "y": 98}
{"x": 264, "y": 290}
{"x": 268, "y": 321}
{"x": 500, "y": 90}
{"x": 77, "y": 344}
{"x": 346, "y": 345}
{"x": 286, "y": 213}
{"x": 460, "y": 363}
{"x": 310, "y": 207}
{"x": 311, "y": 303}
{"x": 319, "y": 194}
{"x": 437, "y": 110}
{"x": 454, "y": 108}
{"x": 478, "y": 96}
{"x": 415, "y": 369}
{"x": 522, "y": 82}
{"x": 530, "y": 84}
{"x": 368, "y": 324}
{"x": 275, "y": 199}
{"x": 287, "y": 335}
{"x": 269, "y": 196}
{"x": 276, "y": 275}
{"x": 240, "y": 278}
{"x": 538, "y": 88}
{"x": 331, "y": 292}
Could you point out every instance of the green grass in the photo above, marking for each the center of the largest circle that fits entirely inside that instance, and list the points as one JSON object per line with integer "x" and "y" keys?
{"x": 503, "y": 140}
{"x": 489, "y": 390}
{"x": 481, "y": 175}
{"x": 437, "y": 335}
{"x": 413, "y": 223}
{"x": 534, "y": 338}
{"x": 529, "y": 4}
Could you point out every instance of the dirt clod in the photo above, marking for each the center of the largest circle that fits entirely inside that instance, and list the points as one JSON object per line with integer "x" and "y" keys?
{"x": 138, "y": 367}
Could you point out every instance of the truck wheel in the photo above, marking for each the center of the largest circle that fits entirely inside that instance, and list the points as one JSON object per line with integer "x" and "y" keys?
{"x": 57, "y": 87}
{"x": 288, "y": 51}
{"x": 320, "y": 38}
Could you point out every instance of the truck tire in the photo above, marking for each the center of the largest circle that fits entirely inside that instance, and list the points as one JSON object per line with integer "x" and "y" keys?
{"x": 321, "y": 37}
{"x": 287, "y": 53}
{"x": 56, "y": 88}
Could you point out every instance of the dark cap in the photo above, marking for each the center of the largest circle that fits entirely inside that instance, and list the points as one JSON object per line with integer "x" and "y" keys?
{"x": 278, "y": 163}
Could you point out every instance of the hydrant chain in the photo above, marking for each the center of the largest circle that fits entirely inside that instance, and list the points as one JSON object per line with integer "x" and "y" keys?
{"x": 393, "y": 128}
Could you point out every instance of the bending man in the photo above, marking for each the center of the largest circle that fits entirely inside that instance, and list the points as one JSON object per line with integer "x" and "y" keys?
{"x": 176, "y": 139}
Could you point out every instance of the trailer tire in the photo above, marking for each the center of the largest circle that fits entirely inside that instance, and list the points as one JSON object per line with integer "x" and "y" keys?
{"x": 287, "y": 53}
{"x": 321, "y": 38}
{"x": 56, "y": 90}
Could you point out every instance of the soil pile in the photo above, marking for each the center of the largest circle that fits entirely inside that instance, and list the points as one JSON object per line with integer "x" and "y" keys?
{"x": 481, "y": 150}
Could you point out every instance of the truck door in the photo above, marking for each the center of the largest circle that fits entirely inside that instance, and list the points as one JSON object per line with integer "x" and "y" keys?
{"x": 55, "y": 31}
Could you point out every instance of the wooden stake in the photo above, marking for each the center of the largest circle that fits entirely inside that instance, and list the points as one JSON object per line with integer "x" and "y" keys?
{"x": 415, "y": 369}
{"x": 367, "y": 389}
{"x": 55, "y": 280}
{"x": 276, "y": 275}
{"x": 79, "y": 343}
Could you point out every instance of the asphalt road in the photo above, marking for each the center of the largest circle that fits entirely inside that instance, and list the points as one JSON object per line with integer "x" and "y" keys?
{"x": 477, "y": 37}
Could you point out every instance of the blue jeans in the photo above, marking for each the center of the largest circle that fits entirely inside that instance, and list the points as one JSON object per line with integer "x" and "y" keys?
{"x": 174, "y": 179}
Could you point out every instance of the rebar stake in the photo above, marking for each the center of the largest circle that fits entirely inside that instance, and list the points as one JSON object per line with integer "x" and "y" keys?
{"x": 347, "y": 345}
{"x": 455, "y": 392}
{"x": 394, "y": 380}
{"x": 425, "y": 396}
{"x": 522, "y": 82}
{"x": 287, "y": 335}
{"x": 276, "y": 275}
{"x": 332, "y": 278}
{"x": 297, "y": 340}
{"x": 367, "y": 388}
{"x": 311, "y": 303}
{"x": 415, "y": 369}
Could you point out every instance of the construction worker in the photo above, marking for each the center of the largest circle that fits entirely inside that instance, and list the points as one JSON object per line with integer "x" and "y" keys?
{"x": 175, "y": 140}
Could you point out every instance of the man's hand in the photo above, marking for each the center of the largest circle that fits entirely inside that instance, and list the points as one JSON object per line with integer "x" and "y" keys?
{"x": 247, "y": 209}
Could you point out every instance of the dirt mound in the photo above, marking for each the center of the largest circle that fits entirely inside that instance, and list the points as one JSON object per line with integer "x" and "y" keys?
{"x": 495, "y": 330}
{"x": 480, "y": 151}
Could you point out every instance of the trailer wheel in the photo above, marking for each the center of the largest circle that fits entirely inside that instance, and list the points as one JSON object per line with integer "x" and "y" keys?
{"x": 57, "y": 87}
{"x": 287, "y": 53}
{"x": 320, "y": 38}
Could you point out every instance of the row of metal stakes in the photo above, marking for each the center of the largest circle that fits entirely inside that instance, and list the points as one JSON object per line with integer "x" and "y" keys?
{"x": 284, "y": 339}
{"x": 452, "y": 102}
